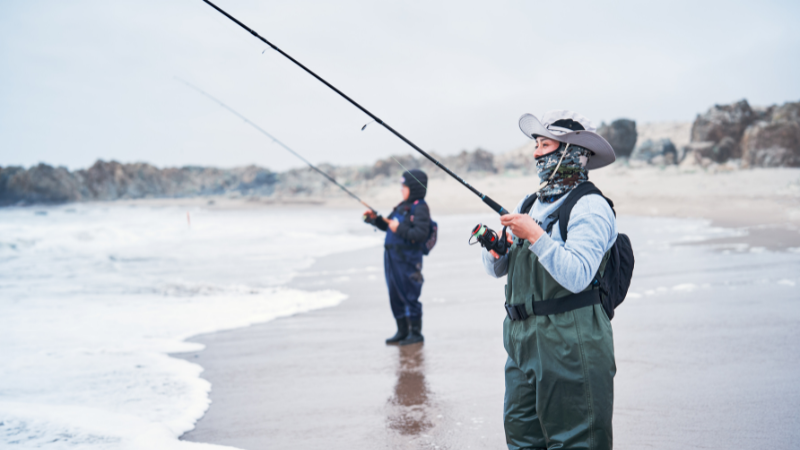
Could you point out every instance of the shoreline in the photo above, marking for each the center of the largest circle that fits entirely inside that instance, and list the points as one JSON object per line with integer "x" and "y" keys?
{"x": 325, "y": 378}
{"x": 764, "y": 203}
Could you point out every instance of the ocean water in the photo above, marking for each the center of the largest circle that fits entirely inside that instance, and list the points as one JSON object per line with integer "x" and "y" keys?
{"x": 94, "y": 297}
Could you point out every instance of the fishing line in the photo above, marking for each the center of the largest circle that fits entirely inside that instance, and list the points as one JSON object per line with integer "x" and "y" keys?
{"x": 491, "y": 203}
{"x": 274, "y": 139}
{"x": 409, "y": 172}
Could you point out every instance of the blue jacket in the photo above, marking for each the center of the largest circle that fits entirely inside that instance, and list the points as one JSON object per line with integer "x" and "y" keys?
{"x": 573, "y": 264}
{"x": 415, "y": 222}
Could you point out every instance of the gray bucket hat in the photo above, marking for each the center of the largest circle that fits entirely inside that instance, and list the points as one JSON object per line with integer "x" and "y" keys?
{"x": 571, "y": 128}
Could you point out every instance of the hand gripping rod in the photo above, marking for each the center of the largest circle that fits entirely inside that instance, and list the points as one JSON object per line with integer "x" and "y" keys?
{"x": 492, "y": 204}
{"x": 274, "y": 139}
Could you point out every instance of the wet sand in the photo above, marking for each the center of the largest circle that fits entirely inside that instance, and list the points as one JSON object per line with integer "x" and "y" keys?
{"x": 705, "y": 347}
{"x": 325, "y": 379}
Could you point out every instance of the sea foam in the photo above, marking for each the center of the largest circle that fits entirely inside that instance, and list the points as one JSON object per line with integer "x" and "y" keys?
{"x": 95, "y": 298}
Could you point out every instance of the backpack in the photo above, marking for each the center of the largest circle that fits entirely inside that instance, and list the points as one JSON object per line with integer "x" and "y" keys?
{"x": 430, "y": 241}
{"x": 616, "y": 279}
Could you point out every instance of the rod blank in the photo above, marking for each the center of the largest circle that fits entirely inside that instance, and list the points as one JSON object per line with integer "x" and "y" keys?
{"x": 491, "y": 203}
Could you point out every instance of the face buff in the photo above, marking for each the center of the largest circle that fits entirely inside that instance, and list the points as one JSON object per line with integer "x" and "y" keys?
{"x": 569, "y": 173}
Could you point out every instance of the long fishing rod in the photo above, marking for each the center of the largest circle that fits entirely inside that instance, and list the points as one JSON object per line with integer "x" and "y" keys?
{"x": 492, "y": 204}
{"x": 274, "y": 139}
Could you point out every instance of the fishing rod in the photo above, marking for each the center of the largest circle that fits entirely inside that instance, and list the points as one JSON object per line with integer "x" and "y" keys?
{"x": 492, "y": 204}
{"x": 274, "y": 139}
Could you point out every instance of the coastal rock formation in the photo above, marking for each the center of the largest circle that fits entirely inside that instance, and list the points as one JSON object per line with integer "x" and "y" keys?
{"x": 774, "y": 143}
{"x": 39, "y": 184}
{"x": 718, "y": 152}
{"x": 760, "y": 137}
{"x": 788, "y": 112}
{"x": 112, "y": 180}
{"x": 660, "y": 152}
{"x": 722, "y": 121}
{"x": 723, "y": 126}
{"x": 621, "y": 134}
{"x": 479, "y": 160}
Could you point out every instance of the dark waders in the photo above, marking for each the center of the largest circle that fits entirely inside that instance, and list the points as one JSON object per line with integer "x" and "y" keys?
{"x": 402, "y": 265}
{"x": 403, "y": 270}
{"x": 560, "y": 368}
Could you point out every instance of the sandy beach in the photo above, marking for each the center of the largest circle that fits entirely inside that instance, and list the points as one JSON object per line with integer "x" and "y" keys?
{"x": 184, "y": 262}
{"x": 763, "y": 204}
{"x": 704, "y": 342}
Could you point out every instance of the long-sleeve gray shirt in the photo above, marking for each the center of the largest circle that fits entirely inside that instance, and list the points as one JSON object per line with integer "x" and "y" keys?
{"x": 592, "y": 230}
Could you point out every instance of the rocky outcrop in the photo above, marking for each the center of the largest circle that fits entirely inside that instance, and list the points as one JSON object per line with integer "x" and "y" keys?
{"x": 722, "y": 126}
{"x": 718, "y": 152}
{"x": 659, "y": 152}
{"x": 111, "y": 180}
{"x": 760, "y": 137}
{"x": 479, "y": 160}
{"x": 621, "y": 134}
{"x": 774, "y": 141}
{"x": 722, "y": 121}
{"x": 520, "y": 159}
{"x": 39, "y": 184}
{"x": 788, "y": 112}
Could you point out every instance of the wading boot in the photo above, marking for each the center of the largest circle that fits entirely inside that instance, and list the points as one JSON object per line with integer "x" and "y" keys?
{"x": 415, "y": 335}
{"x": 402, "y": 332}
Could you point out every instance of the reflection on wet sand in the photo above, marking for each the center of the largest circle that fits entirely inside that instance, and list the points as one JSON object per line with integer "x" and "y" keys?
{"x": 409, "y": 407}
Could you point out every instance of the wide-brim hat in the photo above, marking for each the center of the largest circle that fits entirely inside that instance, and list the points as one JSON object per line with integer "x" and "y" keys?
{"x": 560, "y": 126}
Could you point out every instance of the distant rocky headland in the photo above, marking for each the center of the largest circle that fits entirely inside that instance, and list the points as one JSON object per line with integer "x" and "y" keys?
{"x": 735, "y": 135}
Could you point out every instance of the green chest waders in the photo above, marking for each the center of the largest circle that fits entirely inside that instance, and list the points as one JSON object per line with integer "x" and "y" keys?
{"x": 560, "y": 368}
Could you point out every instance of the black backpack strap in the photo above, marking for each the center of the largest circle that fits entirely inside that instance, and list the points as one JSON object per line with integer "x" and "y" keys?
{"x": 528, "y": 204}
{"x": 565, "y": 209}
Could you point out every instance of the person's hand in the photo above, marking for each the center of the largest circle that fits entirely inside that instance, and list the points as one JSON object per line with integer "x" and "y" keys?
{"x": 510, "y": 241}
{"x": 393, "y": 224}
{"x": 523, "y": 226}
{"x": 369, "y": 217}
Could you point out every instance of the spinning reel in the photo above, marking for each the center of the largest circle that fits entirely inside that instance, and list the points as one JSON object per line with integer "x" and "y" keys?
{"x": 489, "y": 240}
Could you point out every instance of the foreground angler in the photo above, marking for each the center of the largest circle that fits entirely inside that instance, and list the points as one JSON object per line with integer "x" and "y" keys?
{"x": 560, "y": 368}
{"x": 407, "y": 230}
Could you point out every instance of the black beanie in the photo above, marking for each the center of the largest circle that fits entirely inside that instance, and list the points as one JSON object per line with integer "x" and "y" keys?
{"x": 417, "y": 183}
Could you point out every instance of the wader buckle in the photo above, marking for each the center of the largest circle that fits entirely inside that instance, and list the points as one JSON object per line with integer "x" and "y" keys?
{"x": 516, "y": 312}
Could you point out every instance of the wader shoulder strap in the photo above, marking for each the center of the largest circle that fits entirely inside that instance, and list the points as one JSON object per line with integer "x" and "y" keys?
{"x": 565, "y": 209}
{"x": 528, "y": 204}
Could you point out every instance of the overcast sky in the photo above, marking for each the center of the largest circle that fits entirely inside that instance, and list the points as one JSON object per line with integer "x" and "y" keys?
{"x": 88, "y": 79}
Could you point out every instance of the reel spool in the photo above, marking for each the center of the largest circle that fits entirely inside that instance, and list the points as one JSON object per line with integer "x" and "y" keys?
{"x": 489, "y": 239}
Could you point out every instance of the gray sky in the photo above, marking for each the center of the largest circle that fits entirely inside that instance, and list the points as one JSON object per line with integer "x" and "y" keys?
{"x": 88, "y": 79}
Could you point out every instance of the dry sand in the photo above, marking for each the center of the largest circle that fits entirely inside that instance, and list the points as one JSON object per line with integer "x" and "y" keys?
{"x": 763, "y": 203}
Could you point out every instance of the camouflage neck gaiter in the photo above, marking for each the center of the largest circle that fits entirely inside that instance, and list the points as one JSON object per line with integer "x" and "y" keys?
{"x": 571, "y": 172}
